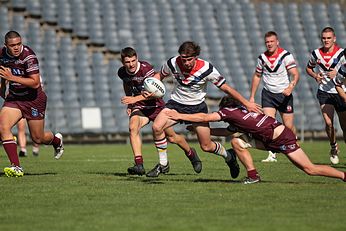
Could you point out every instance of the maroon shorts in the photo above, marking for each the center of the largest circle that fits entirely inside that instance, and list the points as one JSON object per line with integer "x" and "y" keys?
{"x": 285, "y": 143}
{"x": 151, "y": 113}
{"x": 31, "y": 110}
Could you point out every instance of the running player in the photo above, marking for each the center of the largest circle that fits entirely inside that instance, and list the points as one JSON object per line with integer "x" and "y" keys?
{"x": 190, "y": 77}
{"x": 275, "y": 66}
{"x": 142, "y": 110}
{"x": 25, "y": 98}
{"x": 268, "y": 133}
{"x": 323, "y": 64}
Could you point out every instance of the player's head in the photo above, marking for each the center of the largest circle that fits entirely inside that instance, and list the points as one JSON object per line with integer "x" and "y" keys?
{"x": 13, "y": 43}
{"x": 271, "y": 41}
{"x": 328, "y": 38}
{"x": 189, "y": 52}
{"x": 129, "y": 59}
{"x": 228, "y": 101}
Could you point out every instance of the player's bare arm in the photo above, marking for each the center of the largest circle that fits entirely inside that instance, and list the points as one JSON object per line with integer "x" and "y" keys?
{"x": 256, "y": 79}
{"x": 317, "y": 76}
{"x": 32, "y": 81}
{"x": 250, "y": 106}
{"x": 295, "y": 78}
{"x": 197, "y": 117}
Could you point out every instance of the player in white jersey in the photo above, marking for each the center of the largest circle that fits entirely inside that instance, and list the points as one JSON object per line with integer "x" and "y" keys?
{"x": 190, "y": 77}
{"x": 323, "y": 64}
{"x": 275, "y": 66}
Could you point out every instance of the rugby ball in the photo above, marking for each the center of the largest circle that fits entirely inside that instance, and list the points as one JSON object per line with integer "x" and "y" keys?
{"x": 155, "y": 86}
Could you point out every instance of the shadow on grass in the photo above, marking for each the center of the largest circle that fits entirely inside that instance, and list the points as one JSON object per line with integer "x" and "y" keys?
{"x": 33, "y": 174}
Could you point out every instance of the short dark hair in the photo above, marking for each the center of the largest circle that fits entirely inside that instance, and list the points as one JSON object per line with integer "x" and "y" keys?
{"x": 189, "y": 48}
{"x": 328, "y": 29}
{"x": 11, "y": 34}
{"x": 128, "y": 52}
{"x": 228, "y": 101}
{"x": 270, "y": 33}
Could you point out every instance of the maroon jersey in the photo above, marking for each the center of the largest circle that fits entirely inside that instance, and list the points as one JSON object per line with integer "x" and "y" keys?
{"x": 260, "y": 126}
{"x": 135, "y": 83}
{"x": 23, "y": 66}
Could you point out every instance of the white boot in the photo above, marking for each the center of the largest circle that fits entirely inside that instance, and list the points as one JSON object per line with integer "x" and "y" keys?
{"x": 271, "y": 157}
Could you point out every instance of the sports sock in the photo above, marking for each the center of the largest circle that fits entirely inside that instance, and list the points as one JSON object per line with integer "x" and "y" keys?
{"x": 55, "y": 142}
{"x": 161, "y": 146}
{"x": 334, "y": 145}
{"x": 23, "y": 149}
{"x": 220, "y": 150}
{"x": 190, "y": 154}
{"x": 35, "y": 149}
{"x": 253, "y": 174}
{"x": 10, "y": 147}
{"x": 138, "y": 160}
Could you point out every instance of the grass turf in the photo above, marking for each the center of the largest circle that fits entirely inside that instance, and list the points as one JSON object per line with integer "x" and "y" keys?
{"x": 89, "y": 189}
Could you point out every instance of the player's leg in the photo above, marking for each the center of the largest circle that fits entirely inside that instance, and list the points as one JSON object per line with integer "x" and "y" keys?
{"x": 207, "y": 145}
{"x": 302, "y": 161}
{"x": 246, "y": 159}
{"x": 342, "y": 121}
{"x": 39, "y": 136}
{"x": 328, "y": 116}
{"x": 190, "y": 153}
{"x": 136, "y": 122}
{"x": 270, "y": 111}
{"x": 161, "y": 122}
{"x": 8, "y": 118}
{"x": 22, "y": 137}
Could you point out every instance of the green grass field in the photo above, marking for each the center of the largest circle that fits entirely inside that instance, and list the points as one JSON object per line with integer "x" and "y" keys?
{"x": 89, "y": 189}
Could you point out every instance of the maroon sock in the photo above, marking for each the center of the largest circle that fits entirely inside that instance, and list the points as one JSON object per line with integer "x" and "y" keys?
{"x": 10, "y": 147}
{"x": 55, "y": 142}
{"x": 253, "y": 174}
{"x": 138, "y": 160}
{"x": 190, "y": 154}
{"x": 344, "y": 177}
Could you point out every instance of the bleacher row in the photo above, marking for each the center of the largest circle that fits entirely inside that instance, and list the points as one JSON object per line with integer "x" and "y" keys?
{"x": 230, "y": 33}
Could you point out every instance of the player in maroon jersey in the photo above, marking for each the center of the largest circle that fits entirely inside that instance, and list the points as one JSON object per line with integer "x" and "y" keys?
{"x": 25, "y": 99}
{"x": 268, "y": 133}
{"x": 323, "y": 64}
{"x": 142, "y": 109}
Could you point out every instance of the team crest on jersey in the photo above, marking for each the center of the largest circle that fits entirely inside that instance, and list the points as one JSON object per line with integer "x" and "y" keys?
{"x": 289, "y": 108}
{"x": 34, "y": 112}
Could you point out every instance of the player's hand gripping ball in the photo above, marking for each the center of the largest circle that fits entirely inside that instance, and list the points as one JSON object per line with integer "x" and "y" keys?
{"x": 154, "y": 86}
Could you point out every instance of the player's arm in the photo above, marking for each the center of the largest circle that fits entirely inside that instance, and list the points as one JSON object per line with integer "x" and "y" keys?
{"x": 293, "y": 72}
{"x": 197, "y": 117}
{"x": 250, "y": 106}
{"x": 32, "y": 81}
{"x": 317, "y": 76}
{"x": 256, "y": 79}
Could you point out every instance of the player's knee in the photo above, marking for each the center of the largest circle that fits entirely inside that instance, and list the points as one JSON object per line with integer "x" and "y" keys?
{"x": 156, "y": 128}
{"x": 329, "y": 125}
{"x": 236, "y": 144}
{"x": 134, "y": 130}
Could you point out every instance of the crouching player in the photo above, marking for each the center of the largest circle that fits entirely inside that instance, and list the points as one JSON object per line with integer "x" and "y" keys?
{"x": 269, "y": 134}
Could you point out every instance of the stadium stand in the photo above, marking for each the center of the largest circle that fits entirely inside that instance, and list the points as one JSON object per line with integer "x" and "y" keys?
{"x": 78, "y": 44}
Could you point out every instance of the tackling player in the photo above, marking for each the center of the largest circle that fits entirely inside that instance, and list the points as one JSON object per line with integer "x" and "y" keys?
{"x": 269, "y": 134}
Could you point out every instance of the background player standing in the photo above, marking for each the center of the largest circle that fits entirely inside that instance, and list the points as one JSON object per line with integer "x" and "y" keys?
{"x": 275, "y": 66}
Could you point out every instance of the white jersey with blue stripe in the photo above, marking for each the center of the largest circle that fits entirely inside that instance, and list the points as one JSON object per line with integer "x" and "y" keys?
{"x": 274, "y": 70}
{"x": 326, "y": 61}
{"x": 190, "y": 86}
